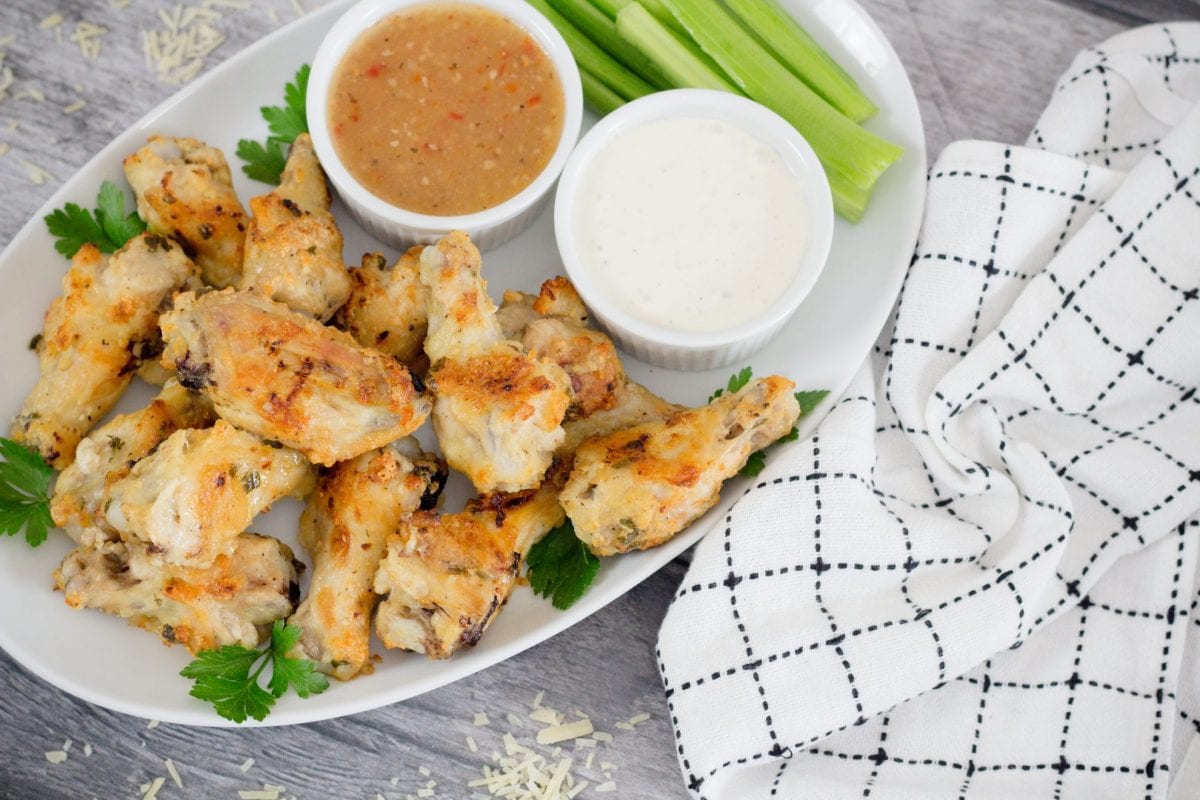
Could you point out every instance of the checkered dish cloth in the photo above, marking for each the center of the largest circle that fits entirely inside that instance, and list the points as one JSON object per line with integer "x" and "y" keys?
{"x": 978, "y": 578}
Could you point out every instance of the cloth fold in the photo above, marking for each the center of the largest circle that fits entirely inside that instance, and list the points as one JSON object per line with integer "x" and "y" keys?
{"x": 979, "y": 577}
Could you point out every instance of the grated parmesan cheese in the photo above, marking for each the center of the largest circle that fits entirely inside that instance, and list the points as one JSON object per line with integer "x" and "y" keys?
{"x": 37, "y": 175}
{"x": 258, "y": 794}
{"x": 546, "y": 715}
{"x": 246, "y": 765}
{"x": 174, "y": 773}
{"x": 56, "y": 756}
{"x": 71, "y": 109}
{"x": 152, "y": 792}
{"x": 537, "y": 701}
{"x": 424, "y": 771}
{"x": 602, "y": 736}
{"x": 584, "y": 742}
{"x": 560, "y": 733}
{"x": 515, "y": 721}
{"x": 152, "y": 724}
{"x": 608, "y": 786}
{"x": 425, "y": 792}
{"x": 638, "y": 718}
{"x": 481, "y": 719}
{"x": 87, "y": 750}
{"x": 52, "y": 21}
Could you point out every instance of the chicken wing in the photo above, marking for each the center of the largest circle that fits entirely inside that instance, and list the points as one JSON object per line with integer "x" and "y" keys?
{"x": 192, "y": 496}
{"x": 344, "y": 529}
{"x": 294, "y": 247}
{"x": 446, "y": 576}
{"x": 95, "y": 335}
{"x": 233, "y": 601}
{"x": 288, "y": 378}
{"x": 497, "y": 410}
{"x": 185, "y": 191}
{"x": 108, "y": 454}
{"x": 386, "y": 309}
{"x": 638, "y": 487}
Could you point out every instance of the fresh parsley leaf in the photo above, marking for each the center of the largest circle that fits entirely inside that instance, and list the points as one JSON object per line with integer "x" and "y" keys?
{"x": 265, "y": 160}
{"x": 24, "y": 493}
{"x": 736, "y": 383}
{"x": 108, "y": 229}
{"x": 290, "y": 120}
{"x": 223, "y": 676}
{"x": 810, "y": 399}
{"x": 561, "y": 567}
{"x": 118, "y": 226}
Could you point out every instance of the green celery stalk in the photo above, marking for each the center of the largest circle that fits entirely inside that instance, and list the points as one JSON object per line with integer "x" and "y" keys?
{"x": 849, "y": 201}
{"x": 599, "y": 97}
{"x": 591, "y": 58}
{"x": 681, "y": 66}
{"x": 844, "y": 147}
{"x": 611, "y": 7}
{"x": 800, "y": 53}
{"x": 655, "y": 7}
{"x": 593, "y": 24}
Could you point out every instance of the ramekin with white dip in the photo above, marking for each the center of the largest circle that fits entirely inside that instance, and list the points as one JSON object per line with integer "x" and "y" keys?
{"x": 694, "y": 223}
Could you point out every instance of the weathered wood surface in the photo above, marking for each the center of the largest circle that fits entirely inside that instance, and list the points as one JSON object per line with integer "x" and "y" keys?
{"x": 982, "y": 69}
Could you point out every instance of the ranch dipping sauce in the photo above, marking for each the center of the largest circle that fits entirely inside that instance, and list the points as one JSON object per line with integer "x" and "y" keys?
{"x": 445, "y": 109}
{"x": 690, "y": 224}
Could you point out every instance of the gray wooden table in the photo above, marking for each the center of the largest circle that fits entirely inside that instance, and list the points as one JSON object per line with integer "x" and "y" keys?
{"x": 982, "y": 69}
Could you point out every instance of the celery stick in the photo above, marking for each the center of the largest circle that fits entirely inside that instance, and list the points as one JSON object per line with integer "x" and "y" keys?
{"x": 593, "y": 59}
{"x": 592, "y": 23}
{"x": 611, "y": 7}
{"x": 800, "y": 53}
{"x": 651, "y": 37}
{"x": 855, "y": 153}
{"x": 663, "y": 15}
{"x": 599, "y": 97}
{"x": 849, "y": 201}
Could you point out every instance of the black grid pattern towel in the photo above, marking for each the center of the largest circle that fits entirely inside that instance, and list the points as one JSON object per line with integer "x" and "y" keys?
{"x": 978, "y": 579}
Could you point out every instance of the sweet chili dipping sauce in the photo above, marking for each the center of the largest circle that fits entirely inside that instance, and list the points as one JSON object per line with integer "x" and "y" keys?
{"x": 445, "y": 109}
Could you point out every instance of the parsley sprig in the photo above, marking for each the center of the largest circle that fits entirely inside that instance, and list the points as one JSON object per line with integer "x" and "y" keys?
{"x": 808, "y": 400}
{"x": 561, "y": 567}
{"x": 108, "y": 227}
{"x": 223, "y": 676}
{"x": 24, "y": 492}
{"x": 265, "y": 160}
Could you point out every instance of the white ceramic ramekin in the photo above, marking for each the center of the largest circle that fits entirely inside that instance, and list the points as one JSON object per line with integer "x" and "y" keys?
{"x": 402, "y": 228}
{"x": 690, "y": 350}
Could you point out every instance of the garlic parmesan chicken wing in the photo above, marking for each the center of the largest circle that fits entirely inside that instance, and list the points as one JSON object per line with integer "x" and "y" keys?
{"x": 185, "y": 191}
{"x": 344, "y": 529}
{"x": 446, "y": 576}
{"x": 497, "y": 410}
{"x": 191, "y": 498}
{"x": 386, "y": 309}
{"x": 638, "y": 487}
{"x": 110, "y": 452}
{"x": 294, "y": 246}
{"x": 95, "y": 335}
{"x": 288, "y": 378}
{"x": 232, "y": 601}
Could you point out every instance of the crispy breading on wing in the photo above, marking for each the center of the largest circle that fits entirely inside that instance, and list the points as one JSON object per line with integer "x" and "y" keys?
{"x": 288, "y": 378}
{"x": 638, "y": 487}
{"x": 294, "y": 246}
{"x": 633, "y": 404}
{"x": 344, "y": 530}
{"x": 232, "y": 601}
{"x": 497, "y": 410}
{"x": 95, "y": 335}
{"x": 191, "y": 498}
{"x": 446, "y": 576}
{"x": 386, "y": 309}
{"x": 185, "y": 191}
{"x": 109, "y": 453}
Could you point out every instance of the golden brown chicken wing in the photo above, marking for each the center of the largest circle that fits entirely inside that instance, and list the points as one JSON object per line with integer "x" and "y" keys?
{"x": 497, "y": 410}
{"x": 109, "y": 453}
{"x": 638, "y": 487}
{"x": 192, "y": 496}
{"x": 95, "y": 335}
{"x": 386, "y": 309}
{"x": 184, "y": 191}
{"x": 288, "y": 378}
{"x": 344, "y": 529}
{"x": 233, "y": 601}
{"x": 294, "y": 246}
{"x": 446, "y": 576}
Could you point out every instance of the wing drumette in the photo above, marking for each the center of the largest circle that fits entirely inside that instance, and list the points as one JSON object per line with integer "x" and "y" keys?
{"x": 232, "y": 601}
{"x": 638, "y": 487}
{"x": 294, "y": 247}
{"x": 288, "y": 378}
{"x": 497, "y": 410}
{"x": 192, "y": 497}
{"x": 109, "y": 453}
{"x": 344, "y": 529}
{"x": 185, "y": 191}
{"x": 95, "y": 335}
{"x": 386, "y": 309}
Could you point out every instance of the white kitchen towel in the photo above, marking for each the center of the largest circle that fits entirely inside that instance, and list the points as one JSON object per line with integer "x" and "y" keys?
{"x": 979, "y": 578}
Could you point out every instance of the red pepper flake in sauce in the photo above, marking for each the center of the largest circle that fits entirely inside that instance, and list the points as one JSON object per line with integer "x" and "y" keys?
{"x": 411, "y": 149}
